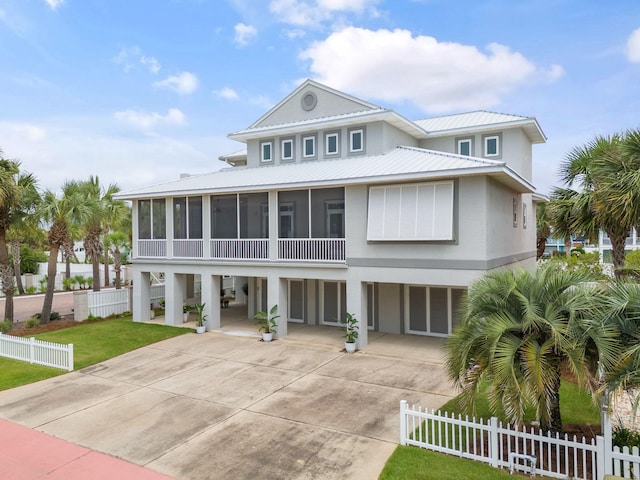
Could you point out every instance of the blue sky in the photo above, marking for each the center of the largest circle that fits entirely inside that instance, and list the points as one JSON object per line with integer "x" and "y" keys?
{"x": 140, "y": 91}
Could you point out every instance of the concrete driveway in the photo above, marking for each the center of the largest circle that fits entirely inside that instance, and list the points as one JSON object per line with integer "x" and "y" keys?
{"x": 230, "y": 407}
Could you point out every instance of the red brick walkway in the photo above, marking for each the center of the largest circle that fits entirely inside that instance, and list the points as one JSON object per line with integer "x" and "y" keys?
{"x": 27, "y": 454}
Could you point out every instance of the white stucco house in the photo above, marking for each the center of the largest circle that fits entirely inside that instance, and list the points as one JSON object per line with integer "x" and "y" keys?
{"x": 338, "y": 205}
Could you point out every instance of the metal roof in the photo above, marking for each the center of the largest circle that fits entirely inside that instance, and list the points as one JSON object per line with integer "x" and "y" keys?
{"x": 400, "y": 164}
{"x": 481, "y": 120}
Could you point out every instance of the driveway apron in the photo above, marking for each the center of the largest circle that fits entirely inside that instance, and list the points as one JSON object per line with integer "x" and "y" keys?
{"x": 221, "y": 406}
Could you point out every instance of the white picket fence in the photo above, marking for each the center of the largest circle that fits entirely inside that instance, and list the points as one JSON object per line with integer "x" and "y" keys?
{"x": 30, "y": 350}
{"x": 109, "y": 301}
{"x": 504, "y": 446}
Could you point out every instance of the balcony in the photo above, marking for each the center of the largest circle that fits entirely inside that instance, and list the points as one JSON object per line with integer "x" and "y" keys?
{"x": 330, "y": 250}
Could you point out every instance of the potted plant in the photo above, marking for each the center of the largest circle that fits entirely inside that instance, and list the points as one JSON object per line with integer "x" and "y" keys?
{"x": 267, "y": 322}
{"x": 201, "y": 318}
{"x": 186, "y": 308}
{"x": 152, "y": 312}
{"x": 350, "y": 336}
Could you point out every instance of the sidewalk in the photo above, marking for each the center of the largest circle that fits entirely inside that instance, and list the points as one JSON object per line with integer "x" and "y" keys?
{"x": 27, "y": 454}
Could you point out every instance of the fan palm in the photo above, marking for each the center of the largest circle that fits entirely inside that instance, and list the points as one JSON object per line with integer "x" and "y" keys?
{"x": 519, "y": 330}
{"x": 60, "y": 213}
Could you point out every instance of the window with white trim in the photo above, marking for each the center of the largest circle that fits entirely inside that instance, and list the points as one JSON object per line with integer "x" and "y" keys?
{"x": 266, "y": 151}
{"x": 464, "y": 146}
{"x": 356, "y": 141}
{"x": 491, "y": 146}
{"x": 332, "y": 143}
{"x": 286, "y": 147}
{"x": 524, "y": 215}
{"x": 515, "y": 212}
{"x": 420, "y": 211}
{"x": 309, "y": 147}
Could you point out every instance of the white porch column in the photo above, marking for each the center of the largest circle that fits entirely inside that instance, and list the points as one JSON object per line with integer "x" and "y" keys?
{"x": 210, "y": 296}
{"x": 175, "y": 287}
{"x": 274, "y": 215}
{"x": 277, "y": 295}
{"x": 141, "y": 296}
{"x": 357, "y": 306}
{"x": 135, "y": 233}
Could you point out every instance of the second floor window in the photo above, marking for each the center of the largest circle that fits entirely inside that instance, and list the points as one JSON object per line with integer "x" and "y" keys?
{"x": 464, "y": 147}
{"x": 287, "y": 149}
{"x": 331, "y": 143}
{"x": 356, "y": 141}
{"x": 152, "y": 219}
{"x": 309, "y": 147}
{"x": 187, "y": 217}
{"x": 492, "y": 146}
{"x": 266, "y": 151}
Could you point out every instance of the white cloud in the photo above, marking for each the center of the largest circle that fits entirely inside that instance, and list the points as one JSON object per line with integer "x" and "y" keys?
{"x": 312, "y": 12}
{"x": 436, "y": 76}
{"x": 25, "y": 131}
{"x": 633, "y": 46}
{"x": 54, "y": 3}
{"x": 227, "y": 93}
{"x": 244, "y": 33}
{"x": 127, "y": 56}
{"x": 151, "y": 63}
{"x": 148, "y": 121}
{"x": 184, "y": 83}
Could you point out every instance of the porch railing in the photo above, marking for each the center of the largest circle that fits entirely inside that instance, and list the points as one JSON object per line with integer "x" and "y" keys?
{"x": 313, "y": 249}
{"x": 243, "y": 248}
{"x": 187, "y": 248}
{"x": 152, "y": 248}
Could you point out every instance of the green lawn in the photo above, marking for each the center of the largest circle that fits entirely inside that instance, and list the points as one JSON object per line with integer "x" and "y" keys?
{"x": 416, "y": 463}
{"x": 93, "y": 342}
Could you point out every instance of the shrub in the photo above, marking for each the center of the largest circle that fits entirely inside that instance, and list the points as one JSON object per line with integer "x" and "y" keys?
{"x": 6, "y": 326}
{"x": 68, "y": 283}
{"x": 30, "y": 290}
{"x": 52, "y": 316}
{"x": 29, "y": 259}
{"x": 623, "y": 437}
{"x": 32, "y": 322}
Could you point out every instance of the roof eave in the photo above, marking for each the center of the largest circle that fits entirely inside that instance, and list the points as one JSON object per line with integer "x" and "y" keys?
{"x": 529, "y": 125}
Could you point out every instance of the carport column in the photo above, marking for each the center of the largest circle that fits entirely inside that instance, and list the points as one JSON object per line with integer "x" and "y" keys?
{"x": 357, "y": 306}
{"x": 175, "y": 287}
{"x": 210, "y": 296}
{"x": 141, "y": 283}
{"x": 277, "y": 295}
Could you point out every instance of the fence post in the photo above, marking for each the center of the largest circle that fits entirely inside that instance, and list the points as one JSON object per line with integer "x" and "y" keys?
{"x": 403, "y": 422}
{"x": 32, "y": 349}
{"x": 607, "y": 441}
{"x": 70, "y": 347}
{"x": 493, "y": 431}
{"x": 601, "y": 457}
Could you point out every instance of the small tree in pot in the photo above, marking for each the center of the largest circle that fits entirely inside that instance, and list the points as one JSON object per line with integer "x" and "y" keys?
{"x": 350, "y": 336}
{"x": 267, "y": 323}
{"x": 201, "y": 318}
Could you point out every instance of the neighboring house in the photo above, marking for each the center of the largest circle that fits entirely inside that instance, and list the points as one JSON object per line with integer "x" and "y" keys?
{"x": 338, "y": 205}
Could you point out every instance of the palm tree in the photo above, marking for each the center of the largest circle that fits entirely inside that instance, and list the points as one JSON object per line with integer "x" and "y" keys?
{"x": 99, "y": 201}
{"x": 115, "y": 215}
{"x": 519, "y": 330}
{"x": 543, "y": 229}
{"x": 60, "y": 213}
{"x": 116, "y": 241}
{"x": 14, "y": 188}
{"x": 607, "y": 170}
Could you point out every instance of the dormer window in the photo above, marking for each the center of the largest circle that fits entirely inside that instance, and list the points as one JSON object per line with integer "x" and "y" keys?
{"x": 492, "y": 146}
{"x": 266, "y": 151}
{"x": 287, "y": 149}
{"x": 356, "y": 141}
{"x": 332, "y": 142}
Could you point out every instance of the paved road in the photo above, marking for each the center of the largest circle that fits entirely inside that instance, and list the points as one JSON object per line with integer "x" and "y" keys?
{"x": 25, "y": 306}
{"x": 217, "y": 406}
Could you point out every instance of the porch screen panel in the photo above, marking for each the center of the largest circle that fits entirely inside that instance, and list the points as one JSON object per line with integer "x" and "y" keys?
{"x": 180, "y": 217}
{"x": 144, "y": 219}
{"x": 195, "y": 217}
{"x": 439, "y": 310}
{"x": 456, "y": 305}
{"x": 296, "y": 299}
{"x": 418, "y": 309}
{"x": 409, "y": 212}
{"x": 224, "y": 216}
{"x": 159, "y": 218}
{"x": 254, "y": 219}
{"x": 330, "y": 302}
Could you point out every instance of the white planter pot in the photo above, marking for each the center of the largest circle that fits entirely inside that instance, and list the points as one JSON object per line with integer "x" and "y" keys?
{"x": 350, "y": 347}
{"x": 152, "y": 314}
{"x": 185, "y": 317}
{"x": 201, "y": 329}
{"x": 267, "y": 337}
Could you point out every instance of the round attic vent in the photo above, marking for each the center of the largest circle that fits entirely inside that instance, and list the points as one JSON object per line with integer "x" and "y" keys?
{"x": 309, "y": 101}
